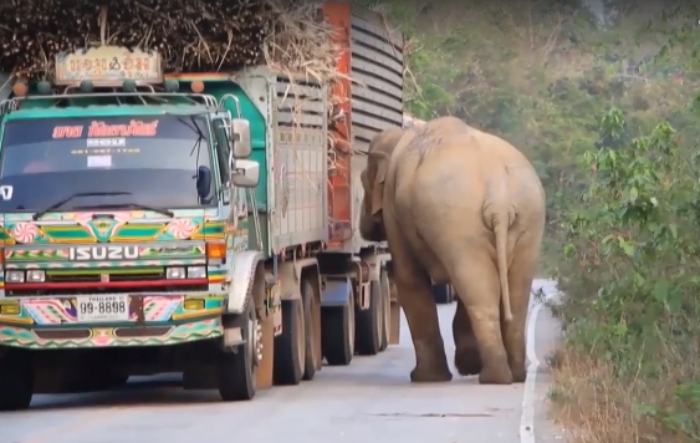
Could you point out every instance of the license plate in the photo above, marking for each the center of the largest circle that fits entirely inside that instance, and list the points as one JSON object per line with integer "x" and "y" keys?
{"x": 103, "y": 308}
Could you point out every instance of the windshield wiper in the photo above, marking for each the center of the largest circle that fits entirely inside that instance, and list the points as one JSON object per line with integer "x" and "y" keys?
{"x": 60, "y": 203}
{"x": 130, "y": 206}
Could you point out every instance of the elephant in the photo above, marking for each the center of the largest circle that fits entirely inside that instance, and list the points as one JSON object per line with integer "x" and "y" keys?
{"x": 461, "y": 206}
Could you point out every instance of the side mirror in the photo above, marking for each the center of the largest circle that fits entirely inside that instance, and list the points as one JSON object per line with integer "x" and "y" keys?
{"x": 245, "y": 174}
{"x": 240, "y": 138}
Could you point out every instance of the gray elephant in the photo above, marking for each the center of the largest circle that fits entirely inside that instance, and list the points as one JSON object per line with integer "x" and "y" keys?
{"x": 459, "y": 206}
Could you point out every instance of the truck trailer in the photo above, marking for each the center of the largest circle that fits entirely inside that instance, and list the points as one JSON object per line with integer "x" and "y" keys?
{"x": 195, "y": 223}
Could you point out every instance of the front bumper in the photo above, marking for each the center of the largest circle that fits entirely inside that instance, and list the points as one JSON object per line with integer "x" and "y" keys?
{"x": 154, "y": 319}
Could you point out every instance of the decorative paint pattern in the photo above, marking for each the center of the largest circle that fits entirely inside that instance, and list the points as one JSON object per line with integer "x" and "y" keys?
{"x": 51, "y": 322}
{"x": 61, "y": 311}
{"x": 112, "y": 226}
{"x": 104, "y": 337}
{"x": 182, "y": 228}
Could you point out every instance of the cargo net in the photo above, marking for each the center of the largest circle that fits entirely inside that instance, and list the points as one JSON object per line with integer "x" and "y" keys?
{"x": 190, "y": 35}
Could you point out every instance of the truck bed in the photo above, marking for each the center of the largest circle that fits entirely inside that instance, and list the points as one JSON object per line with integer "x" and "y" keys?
{"x": 373, "y": 58}
{"x": 295, "y": 111}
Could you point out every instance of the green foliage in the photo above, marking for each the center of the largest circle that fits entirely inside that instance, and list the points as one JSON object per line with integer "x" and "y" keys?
{"x": 623, "y": 191}
{"x": 632, "y": 269}
{"x": 540, "y": 74}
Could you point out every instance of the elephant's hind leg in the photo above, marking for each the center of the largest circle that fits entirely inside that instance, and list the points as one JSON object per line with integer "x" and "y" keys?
{"x": 476, "y": 281}
{"x": 520, "y": 277}
{"x": 417, "y": 302}
{"x": 467, "y": 358}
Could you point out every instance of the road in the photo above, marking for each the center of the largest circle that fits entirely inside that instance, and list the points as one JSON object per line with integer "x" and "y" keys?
{"x": 370, "y": 400}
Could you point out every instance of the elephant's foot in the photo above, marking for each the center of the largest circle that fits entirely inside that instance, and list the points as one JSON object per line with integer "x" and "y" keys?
{"x": 423, "y": 374}
{"x": 519, "y": 372}
{"x": 468, "y": 361}
{"x": 496, "y": 374}
{"x": 431, "y": 364}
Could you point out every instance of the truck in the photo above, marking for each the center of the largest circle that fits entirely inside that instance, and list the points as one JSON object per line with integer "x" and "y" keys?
{"x": 197, "y": 223}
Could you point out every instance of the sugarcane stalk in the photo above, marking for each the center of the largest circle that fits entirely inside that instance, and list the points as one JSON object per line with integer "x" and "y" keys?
{"x": 190, "y": 35}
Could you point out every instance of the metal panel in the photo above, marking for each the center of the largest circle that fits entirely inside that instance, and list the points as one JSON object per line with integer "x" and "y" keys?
{"x": 300, "y": 160}
{"x": 377, "y": 64}
{"x": 5, "y": 86}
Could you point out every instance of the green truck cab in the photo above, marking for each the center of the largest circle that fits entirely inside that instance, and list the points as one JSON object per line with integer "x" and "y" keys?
{"x": 124, "y": 219}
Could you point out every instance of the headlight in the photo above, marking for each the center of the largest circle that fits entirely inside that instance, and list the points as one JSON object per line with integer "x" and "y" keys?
{"x": 196, "y": 272}
{"x": 175, "y": 273}
{"x": 14, "y": 276}
{"x": 36, "y": 276}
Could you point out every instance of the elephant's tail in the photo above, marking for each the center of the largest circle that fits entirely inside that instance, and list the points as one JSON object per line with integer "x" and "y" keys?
{"x": 501, "y": 233}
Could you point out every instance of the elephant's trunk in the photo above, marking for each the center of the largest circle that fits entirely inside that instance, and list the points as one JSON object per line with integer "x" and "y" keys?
{"x": 371, "y": 229}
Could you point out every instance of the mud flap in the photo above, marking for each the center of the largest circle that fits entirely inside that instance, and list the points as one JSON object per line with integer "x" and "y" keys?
{"x": 264, "y": 373}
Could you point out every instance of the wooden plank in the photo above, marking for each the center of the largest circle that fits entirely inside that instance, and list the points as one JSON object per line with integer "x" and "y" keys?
{"x": 371, "y": 83}
{"x": 386, "y": 101}
{"x": 373, "y": 122}
{"x": 368, "y": 68}
{"x": 300, "y": 119}
{"x": 297, "y": 90}
{"x": 299, "y": 80}
{"x": 290, "y": 104}
{"x": 376, "y": 111}
{"x": 375, "y": 22}
{"x": 375, "y": 57}
{"x": 383, "y": 51}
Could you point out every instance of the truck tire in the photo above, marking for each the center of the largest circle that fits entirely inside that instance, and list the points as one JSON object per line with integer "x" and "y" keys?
{"x": 338, "y": 337}
{"x": 443, "y": 294}
{"x": 369, "y": 323}
{"x": 311, "y": 306}
{"x": 290, "y": 346}
{"x": 386, "y": 309}
{"x": 236, "y": 372}
{"x": 16, "y": 381}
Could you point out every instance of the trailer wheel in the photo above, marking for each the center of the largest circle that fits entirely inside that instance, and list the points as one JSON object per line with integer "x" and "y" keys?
{"x": 313, "y": 330}
{"x": 368, "y": 323}
{"x": 290, "y": 346}
{"x": 443, "y": 294}
{"x": 16, "y": 381}
{"x": 386, "y": 309}
{"x": 236, "y": 371}
{"x": 338, "y": 337}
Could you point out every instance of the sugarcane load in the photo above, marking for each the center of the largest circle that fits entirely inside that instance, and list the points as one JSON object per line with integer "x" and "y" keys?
{"x": 190, "y": 35}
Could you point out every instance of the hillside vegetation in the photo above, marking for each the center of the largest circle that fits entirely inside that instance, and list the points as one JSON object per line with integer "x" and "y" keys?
{"x": 606, "y": 111}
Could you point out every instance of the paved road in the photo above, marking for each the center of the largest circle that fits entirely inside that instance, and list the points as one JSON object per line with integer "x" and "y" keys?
{"x": 370, "y": 400}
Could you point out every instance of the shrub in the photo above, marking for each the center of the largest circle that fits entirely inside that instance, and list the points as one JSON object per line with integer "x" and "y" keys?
{"x": 632, "y": 279}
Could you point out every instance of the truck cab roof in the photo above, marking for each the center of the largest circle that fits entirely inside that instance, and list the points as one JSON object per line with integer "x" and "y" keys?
{"x": 105, "y": 111}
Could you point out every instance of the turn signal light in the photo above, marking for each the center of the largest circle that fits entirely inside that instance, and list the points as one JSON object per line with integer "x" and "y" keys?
{"x": 10, "y": 309}
{"x": 193, "y": 305}
{"x": 216, "y": 251}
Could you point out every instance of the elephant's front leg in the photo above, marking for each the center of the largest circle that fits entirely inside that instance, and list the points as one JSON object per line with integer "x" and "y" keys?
{"x": 415, "y": 296}
{"x": 467, "y": 358}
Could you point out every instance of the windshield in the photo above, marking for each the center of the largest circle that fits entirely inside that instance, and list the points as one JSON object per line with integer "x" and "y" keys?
{"x": 152, "y": 161}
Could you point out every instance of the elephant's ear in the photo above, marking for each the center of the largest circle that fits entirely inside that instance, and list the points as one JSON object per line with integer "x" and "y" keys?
{"x": 378, "y": 186}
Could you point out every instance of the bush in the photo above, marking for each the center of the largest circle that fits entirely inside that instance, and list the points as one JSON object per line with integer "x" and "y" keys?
{"x": 631, "y": 368}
